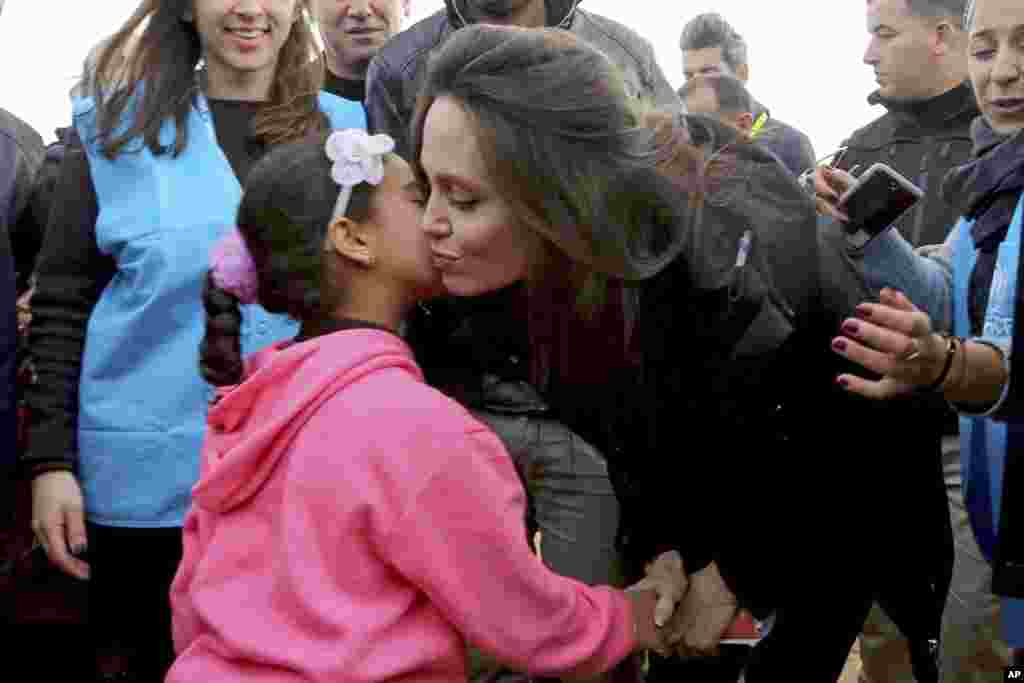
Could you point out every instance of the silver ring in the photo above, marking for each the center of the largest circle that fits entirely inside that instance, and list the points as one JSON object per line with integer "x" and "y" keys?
{"x": 913, "y": 355}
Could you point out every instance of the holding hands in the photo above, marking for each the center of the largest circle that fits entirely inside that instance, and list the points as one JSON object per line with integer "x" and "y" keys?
{"x": 706, "y": 612}
{"x": 655, "y": 599}
{"x": 679, "y": 614}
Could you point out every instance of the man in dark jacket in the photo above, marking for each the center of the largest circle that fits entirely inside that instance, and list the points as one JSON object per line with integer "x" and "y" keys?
{"x": 21, "y": 153}
{"x": 353, "y": 32}
{"x": 917, "y": 49}
{"x": 710, "y": 47}
{"x": 394, "y": 75}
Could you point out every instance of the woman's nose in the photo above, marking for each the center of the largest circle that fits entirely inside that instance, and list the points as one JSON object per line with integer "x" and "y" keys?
{"x": 435, "y": 221}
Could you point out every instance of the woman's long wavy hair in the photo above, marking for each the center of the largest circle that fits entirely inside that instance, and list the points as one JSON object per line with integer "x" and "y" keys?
{"x": 561, "y": 137}
{"x": 158, "y": 48}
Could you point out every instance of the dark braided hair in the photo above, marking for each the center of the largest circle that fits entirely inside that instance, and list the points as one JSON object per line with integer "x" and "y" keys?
{"x": 287, "y": 203}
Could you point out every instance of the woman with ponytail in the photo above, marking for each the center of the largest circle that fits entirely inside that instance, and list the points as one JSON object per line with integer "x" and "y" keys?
{"x": 352, "y": 523}
{"x": 151, "y": 181}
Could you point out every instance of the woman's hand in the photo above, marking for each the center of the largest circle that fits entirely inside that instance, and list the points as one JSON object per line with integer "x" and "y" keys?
{"x": 58, "y": 520}
{"x": 893, "y": 339}
{"x": 829, "y": 186}
{"x": 707, "y": 611}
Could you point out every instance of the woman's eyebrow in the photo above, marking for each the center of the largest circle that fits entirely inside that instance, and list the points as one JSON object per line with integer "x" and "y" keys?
{"x": 467, "y": 185}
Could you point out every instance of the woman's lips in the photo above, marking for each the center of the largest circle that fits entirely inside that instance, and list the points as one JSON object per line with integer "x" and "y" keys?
{"x": 442, "y": 259}
{"x": 248, "y": 39}
{"x": 1008, "y": 105}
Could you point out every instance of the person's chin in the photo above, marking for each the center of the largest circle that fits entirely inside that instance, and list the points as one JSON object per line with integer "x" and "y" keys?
{"x": 1005, "y": 125}
{"x": 366, "y": 47}
{"x": 456, "y": 285}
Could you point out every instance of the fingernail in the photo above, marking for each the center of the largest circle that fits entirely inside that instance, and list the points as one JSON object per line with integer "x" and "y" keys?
{"x": 78, "y": 549}
{"x": 839, "y": 345}
{"x": 851, "y": 328}
{"x": 843, "y": 382}
{"x": 864, "y": 311}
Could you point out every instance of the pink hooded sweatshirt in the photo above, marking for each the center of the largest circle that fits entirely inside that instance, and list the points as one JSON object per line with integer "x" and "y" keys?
{"x": 353, "y": 525}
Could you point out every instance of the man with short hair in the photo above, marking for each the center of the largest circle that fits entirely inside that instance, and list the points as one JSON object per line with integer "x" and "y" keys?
{"x": 395, "y": 73}
{"x": 353, "y": 31}
{"x": 918, "y": 51}
{"x": 711, "y": 46}
{"x": 722, "y": 97}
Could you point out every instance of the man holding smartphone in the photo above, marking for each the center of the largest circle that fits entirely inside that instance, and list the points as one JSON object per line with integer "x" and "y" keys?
{"x": 918, "y": 51}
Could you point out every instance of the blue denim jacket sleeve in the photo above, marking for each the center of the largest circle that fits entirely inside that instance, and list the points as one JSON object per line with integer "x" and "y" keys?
{"x": 925, "y": 276}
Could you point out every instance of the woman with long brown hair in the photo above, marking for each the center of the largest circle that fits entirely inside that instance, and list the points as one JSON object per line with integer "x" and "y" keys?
{"x": 151, "y": 181}
{"x": 667, "y": 292}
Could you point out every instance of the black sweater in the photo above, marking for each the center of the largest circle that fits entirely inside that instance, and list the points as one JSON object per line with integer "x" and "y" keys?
{"x": 71, "y": 275}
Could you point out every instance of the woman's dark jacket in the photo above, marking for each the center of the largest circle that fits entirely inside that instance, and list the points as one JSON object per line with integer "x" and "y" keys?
{"x": 729, "y": 440}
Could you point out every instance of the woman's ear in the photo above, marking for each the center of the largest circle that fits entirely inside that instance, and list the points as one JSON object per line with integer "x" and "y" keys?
{"x": 352, "y": 241}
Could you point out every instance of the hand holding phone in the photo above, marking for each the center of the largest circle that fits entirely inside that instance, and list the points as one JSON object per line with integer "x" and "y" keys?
{"x": 875, "y": 202}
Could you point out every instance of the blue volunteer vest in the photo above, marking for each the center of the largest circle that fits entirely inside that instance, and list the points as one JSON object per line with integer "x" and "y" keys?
{"x": 142, "y": 401}
{"x": 983, "y": 440}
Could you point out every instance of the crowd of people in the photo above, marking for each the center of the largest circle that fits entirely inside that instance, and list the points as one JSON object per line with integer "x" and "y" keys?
{"x": 477, "y": 350}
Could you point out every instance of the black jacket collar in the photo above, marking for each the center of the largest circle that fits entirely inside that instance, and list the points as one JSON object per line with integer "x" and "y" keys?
{"x": 934, "y": 112}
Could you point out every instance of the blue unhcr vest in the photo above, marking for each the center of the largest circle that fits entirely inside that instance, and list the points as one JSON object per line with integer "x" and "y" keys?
{"x": 983, "y": 440}
{"x": 142, "y": 401}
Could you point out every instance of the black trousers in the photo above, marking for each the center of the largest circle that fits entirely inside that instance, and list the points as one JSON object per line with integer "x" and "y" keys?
{"x": 130, "y": 610}
{"x": 725, "y": 668}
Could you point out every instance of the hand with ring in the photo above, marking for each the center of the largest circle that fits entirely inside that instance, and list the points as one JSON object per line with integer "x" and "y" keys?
{"x": 895, "y": 340}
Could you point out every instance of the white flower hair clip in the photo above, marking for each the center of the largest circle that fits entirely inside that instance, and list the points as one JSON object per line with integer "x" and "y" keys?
{"x": 358, "y": 158}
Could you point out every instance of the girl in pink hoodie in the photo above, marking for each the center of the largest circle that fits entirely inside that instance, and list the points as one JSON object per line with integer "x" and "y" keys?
{"x": 352, "y": 524}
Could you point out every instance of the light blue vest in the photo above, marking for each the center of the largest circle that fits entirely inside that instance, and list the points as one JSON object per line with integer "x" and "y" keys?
{"x": 983, "y": 441}
{"x": 142, "y": 401}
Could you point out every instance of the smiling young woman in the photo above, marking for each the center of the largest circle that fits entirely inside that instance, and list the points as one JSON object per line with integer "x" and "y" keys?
{"x": 151, "y": 180}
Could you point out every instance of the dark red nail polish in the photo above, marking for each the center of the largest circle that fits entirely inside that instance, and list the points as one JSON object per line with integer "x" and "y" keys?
{"x": 843, "y": 382}
{"x": 839, "y": 345}
{"x": 851, "y": 328}
{"x": 864, "y": 312}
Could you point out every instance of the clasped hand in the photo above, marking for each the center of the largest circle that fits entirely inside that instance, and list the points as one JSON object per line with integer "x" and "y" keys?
{"x": 691, "y": 612}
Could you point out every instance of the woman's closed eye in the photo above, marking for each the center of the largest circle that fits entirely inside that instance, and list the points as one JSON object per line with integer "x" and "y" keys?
{"x": 463, "y": 203}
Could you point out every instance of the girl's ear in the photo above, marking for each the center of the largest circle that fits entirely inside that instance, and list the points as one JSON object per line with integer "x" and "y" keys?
{"x": 352, "y": 241}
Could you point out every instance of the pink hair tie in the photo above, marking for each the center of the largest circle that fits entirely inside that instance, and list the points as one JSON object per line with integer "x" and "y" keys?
{"x": 233, "y": 270}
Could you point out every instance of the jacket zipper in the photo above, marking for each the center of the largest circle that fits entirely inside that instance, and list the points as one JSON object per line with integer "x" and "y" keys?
{"x": 922, "y": 182}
